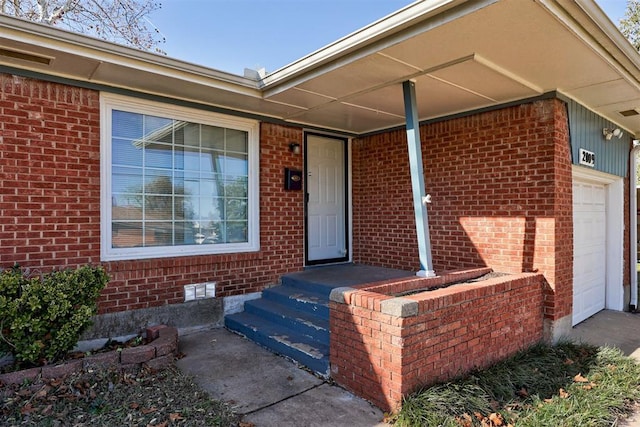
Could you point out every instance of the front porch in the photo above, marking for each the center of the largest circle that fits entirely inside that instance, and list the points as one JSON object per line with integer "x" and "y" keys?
{"x": 292, "y": 318}
{"x": 381, "y": 333}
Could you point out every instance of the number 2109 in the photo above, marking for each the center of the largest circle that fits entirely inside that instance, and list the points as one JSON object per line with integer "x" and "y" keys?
{"x": 587, "y": 158}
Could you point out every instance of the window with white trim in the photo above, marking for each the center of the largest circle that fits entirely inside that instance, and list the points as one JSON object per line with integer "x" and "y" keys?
{"x": 176, "y": 181}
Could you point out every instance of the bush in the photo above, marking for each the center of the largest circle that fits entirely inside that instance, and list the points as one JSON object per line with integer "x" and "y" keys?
{"x": 42, "y": 317}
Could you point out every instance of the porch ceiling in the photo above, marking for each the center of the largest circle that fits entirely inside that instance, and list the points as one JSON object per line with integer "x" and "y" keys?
{"x": 462, "y": 55}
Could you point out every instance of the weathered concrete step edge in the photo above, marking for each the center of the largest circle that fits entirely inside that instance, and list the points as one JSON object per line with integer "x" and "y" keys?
{"x": 303, "y": 322}
{"x": 299, "y": 299}
{"x": 159, "y": 353}
{"x": 294, "y": 281}
{"x": 281, "y": 340}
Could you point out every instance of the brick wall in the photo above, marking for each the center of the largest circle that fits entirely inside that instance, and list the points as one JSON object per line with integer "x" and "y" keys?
{"x": 50, "y": 172}
{"x": 383, "y": 348}
{"x": 50, "y": 202}
{"x": 500, "y": 182}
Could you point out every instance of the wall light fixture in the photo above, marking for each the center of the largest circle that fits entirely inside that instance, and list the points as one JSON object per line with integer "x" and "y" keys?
{"x": 294, "y": 147}
{"x": 610, "y": 133}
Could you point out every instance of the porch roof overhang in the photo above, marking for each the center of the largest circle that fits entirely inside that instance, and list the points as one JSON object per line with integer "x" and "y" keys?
{"x": 462, "y": 55}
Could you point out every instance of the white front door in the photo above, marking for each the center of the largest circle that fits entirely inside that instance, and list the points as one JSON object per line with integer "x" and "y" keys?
{"x": 590, "y": 249}
{"x": 326, "y": 199}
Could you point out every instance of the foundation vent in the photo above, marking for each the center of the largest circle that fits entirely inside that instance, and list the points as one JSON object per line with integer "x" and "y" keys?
{"x": 199, "y": 291}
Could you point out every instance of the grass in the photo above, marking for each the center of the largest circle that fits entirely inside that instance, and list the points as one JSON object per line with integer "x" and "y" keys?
{"x": 564, "y": 385}
{"x": 163, "y": 398}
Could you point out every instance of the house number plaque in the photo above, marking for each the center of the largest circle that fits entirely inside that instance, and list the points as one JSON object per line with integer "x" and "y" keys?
{"x": 587, "y": 158}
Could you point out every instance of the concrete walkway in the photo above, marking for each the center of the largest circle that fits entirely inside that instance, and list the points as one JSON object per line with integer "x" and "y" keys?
{"x": 267, "y": 389}
{"x": 613, "y": 329}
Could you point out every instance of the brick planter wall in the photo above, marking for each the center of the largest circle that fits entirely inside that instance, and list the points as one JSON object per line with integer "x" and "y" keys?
{"x": 158, "y": 354}
{"x": 384, "y": 347}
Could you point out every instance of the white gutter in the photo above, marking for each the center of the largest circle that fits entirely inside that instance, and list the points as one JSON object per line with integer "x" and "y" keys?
{"x": 596, "y": 17}
{"x": 633, "y": 224}
{"x": 603, "y": 21}
{"x": 56, "y": 39}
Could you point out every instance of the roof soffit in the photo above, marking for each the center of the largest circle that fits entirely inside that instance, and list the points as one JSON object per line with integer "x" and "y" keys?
{"x": 462, "y": 54}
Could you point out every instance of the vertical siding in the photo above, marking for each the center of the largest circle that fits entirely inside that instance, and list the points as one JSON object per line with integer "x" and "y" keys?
{"x": 586, "y": 132}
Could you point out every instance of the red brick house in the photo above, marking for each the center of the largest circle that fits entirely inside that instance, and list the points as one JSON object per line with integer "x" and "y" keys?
{"x": 170, "y": 174}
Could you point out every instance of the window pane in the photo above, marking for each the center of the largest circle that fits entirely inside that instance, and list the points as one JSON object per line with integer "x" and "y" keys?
{"x": 212, "y": 137}
{"x": 186, "y": 133}
{"x": 126, "y": 234}
{"x": 123, "y": 209}
{"x": 237, "y": 141}
{"x": 177, "y": 183}
{"x": 158, "y": 129}
{"x": 126, "y": 180}
{"x": 158, "y": 207}
{"x": 185, "y": 233}
{"x": 236, "y": 209}
{"x": 123, "y": 152}
{"x": 236, "y": 164}
{"x": 159, "y": 234}
{"x": 191, "y": 135}
{"x": 184, "y": 208}
{"x": 126, "y": 125}
{"x": 187, "y": 158}
{"x": 210, "y": 208}
{"x": 210, "y": 161}
{"x": 236, "y": 232}
{"x": 191, "y": 185}
{"x": 238, "y": 187}
{"x": 210, "y": 188}
{"x": 157, "y": 182}
{"x": 158, "y": 156}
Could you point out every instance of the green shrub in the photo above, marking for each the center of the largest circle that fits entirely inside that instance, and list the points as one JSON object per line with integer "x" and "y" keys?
{"x": 42, "y": 317}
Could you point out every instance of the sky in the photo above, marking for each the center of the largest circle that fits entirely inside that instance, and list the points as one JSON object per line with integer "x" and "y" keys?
{"x": 231, "y": 35}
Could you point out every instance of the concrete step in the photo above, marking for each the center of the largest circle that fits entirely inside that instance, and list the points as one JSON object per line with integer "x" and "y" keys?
{"x": 301, "y": 280}
{"x": 281, "y": 340}
{"x": 299, "y": 299}
{"x": 302, "y": 322}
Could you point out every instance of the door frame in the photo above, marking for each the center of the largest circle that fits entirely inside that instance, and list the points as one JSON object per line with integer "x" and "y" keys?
{"x": 347, "y": 200}
{"x": 614, "y": 187}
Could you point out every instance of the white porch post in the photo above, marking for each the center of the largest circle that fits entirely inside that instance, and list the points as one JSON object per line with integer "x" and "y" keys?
{"x": 417, "y": 180}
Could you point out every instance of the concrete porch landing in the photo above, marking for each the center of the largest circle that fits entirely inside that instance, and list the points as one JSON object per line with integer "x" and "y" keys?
{"x": 348, "y": 274}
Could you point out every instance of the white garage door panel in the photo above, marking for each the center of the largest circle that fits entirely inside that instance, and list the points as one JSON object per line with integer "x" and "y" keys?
{"x": 589, "y": 246}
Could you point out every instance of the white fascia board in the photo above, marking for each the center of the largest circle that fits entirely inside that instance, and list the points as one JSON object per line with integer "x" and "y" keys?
{"x": 45, "y": 36}
{"x": 422, "y": 14}
{"x": 610, "y": 30}
{"x": 595, "y": 40}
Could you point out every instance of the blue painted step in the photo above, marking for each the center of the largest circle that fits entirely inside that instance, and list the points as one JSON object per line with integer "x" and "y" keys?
{"x": 299, "y": 299}
{"x": 300, "y": 281}
{"x": 302, "y": 322}
{"x": 282, "y": 340}
{"x": 291, "y": 319}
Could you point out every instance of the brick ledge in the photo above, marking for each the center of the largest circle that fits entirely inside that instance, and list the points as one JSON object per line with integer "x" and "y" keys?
{"x": 158, "y": 354}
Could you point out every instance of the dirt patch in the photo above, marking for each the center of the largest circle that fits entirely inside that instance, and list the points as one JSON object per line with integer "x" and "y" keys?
{"x": 113, "y": 398}
{"x": 482, "y": 278}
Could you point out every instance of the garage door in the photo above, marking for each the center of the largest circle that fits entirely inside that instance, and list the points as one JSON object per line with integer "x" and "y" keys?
{"x": 589, "y": 246}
